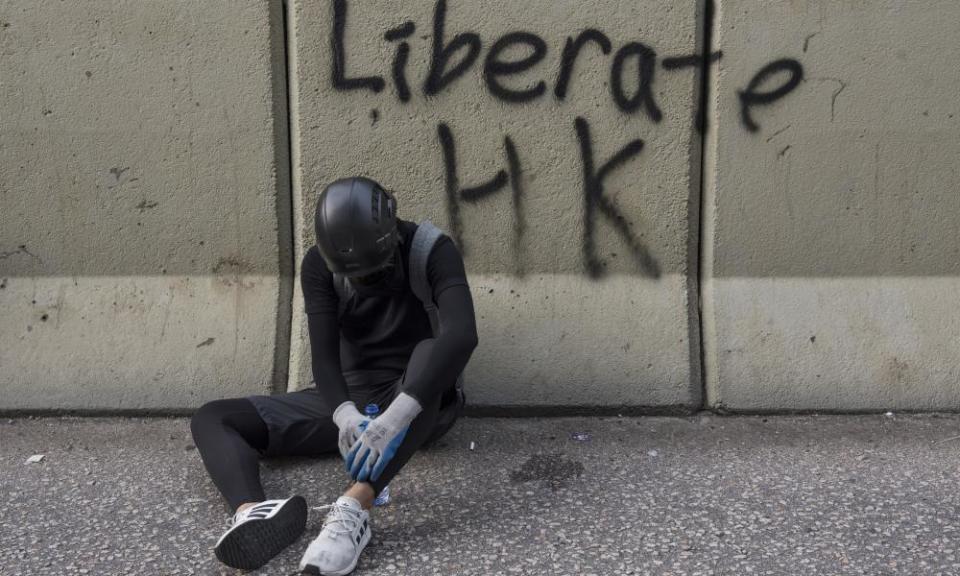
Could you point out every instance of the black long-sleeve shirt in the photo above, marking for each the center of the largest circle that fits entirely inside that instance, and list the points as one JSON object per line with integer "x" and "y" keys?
{"x": 376, "y": 334}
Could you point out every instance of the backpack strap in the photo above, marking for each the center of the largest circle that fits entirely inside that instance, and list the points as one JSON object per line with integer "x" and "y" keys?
{"x": 423, "y": 241}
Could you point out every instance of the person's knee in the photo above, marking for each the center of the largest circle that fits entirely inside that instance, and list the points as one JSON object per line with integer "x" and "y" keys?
{"x": 210, "y": 414}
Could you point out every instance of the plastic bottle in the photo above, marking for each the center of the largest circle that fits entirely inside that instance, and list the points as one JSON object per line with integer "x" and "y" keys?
{"x": 382, "y": 499}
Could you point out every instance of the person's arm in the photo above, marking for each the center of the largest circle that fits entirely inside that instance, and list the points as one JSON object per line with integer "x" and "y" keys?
{"x": 453, "y": 343}
{"x": 448, "y": 356}
{"x": 323, "y": 324}
{"x": 457, "y": 333}
{"x": 325, "y": 358}
{"x": 322, "y": 307}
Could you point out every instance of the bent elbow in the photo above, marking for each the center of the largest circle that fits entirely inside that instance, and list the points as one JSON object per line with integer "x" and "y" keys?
{"x": 471, "y": 340}
{"x": 466, "y": 340}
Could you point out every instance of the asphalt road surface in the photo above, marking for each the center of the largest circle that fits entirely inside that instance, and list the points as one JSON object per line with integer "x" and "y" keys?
{"x": 704, "y": 495}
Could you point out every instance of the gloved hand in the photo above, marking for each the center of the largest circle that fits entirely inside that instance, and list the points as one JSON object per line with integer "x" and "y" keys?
{"x": 381, "y": 439}
{"x": 351, "y": 424}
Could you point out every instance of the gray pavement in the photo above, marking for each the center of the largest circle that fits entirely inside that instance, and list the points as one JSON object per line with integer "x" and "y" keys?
{"x": 701, "y": 495}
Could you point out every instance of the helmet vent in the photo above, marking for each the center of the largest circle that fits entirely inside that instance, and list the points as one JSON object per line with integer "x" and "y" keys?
{"x": 375, "y": 205}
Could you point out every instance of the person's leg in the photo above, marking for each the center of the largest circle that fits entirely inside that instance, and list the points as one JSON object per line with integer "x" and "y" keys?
{"x": 420, "y": 429}
{"x": 230, "y": 435}
{"x": 312, "y": 432}
{"x": 300, "y": 424}
{"x": 347, "y": 529}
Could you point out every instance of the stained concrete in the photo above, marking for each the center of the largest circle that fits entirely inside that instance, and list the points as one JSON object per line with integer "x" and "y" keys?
{"x": 617, "y": 282}
{"x": 144, "y": 204}
{"x": 829, "y": 234}
{"x": 150, "y": 217}
{"x": 649, "y": 496}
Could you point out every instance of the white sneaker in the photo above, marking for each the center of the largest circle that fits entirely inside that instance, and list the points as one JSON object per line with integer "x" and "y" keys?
{"x": 346, "y": 532}
{"x": 262, "y": 531}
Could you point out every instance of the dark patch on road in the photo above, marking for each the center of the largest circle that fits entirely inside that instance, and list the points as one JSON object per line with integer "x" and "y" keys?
{"x": 206, "y": 342}
{"x": 550, "y": 467}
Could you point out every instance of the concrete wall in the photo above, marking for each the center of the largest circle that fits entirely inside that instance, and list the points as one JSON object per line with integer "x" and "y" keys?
{"x": 831, "y": 243}
{"x": 153, "y": 204}
{"x": 582, "y": 290}
{"x": 142, "y": 171}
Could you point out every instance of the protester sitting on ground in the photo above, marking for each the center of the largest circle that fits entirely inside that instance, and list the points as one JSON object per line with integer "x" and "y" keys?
{"x": 391, "y": 323}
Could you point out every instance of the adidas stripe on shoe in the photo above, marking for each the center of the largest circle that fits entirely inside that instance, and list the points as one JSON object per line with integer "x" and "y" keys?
{"x": 346, "y": 532}
{"x": 262, "y": 531}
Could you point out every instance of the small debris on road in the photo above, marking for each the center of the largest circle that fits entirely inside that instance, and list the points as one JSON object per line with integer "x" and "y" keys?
{"x": 949, "y": 439}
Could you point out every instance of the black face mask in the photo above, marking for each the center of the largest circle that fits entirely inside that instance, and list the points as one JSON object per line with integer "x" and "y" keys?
{"x": 386, "y": 281}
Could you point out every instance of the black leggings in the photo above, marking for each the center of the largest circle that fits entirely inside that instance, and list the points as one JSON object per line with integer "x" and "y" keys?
{"x": 231, "y": 436}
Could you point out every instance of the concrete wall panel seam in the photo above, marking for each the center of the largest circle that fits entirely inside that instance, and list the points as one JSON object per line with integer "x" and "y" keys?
{"x": 705, "y": 11}
{"x": 284, "y": 204}
{"x": 298, "y": 373}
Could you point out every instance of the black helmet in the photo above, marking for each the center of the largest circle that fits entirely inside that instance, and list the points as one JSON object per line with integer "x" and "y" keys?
{"x": 356, "y": 226}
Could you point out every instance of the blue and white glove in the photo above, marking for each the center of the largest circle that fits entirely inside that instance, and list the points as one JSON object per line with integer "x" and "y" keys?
{"x": 381, "y": 438}
{"x": 351, "y": 424}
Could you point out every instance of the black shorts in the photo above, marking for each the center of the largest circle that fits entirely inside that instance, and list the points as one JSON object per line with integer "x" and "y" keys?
{"x": 301, "y": 423}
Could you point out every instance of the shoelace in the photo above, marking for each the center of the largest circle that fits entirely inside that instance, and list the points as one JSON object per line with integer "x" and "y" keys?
{"x": 340, "y": 519}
